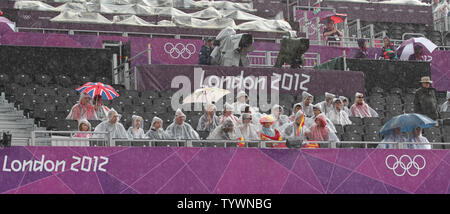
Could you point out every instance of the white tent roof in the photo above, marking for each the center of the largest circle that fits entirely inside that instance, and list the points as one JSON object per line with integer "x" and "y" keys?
{"x": 216, "y": 23}
{"x": 130, "y": 20}
{"x": 81, "y": 17}
{"x": 265, "y": 25}
{"x": 34, "y": 5}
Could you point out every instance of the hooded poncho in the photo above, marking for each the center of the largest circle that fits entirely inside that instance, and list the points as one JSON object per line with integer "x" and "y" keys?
{"x": 139, "y": 134}
{"x": 159, "y": 134}
{"x": 362, "y": 110}
{"x": 82, "y": 111}
{"x": 183, "y": 131}
{"x": 116, "y": 129}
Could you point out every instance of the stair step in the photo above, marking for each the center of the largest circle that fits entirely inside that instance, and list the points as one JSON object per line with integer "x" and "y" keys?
{"x": 19, "y": 142}
{"x": 16, "y": 126}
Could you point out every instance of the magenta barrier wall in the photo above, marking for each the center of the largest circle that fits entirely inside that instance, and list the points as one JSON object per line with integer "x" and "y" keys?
{"x": 130, "y": 170}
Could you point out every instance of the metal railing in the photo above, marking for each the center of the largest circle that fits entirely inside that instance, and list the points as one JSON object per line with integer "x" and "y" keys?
{"x": 121, "y": 73}
{"x": 67, "y": 138}
{"x": 269, "y": 58}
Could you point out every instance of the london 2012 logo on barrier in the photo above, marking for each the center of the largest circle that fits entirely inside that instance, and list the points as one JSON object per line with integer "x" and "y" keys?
{"x": 180, "y": 50}
{"x": 412, "y": 166}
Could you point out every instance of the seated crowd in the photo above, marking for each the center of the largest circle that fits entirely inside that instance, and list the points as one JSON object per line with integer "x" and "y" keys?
{"x": 308, "y": 122}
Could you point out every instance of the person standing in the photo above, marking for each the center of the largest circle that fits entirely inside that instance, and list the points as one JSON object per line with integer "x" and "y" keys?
{"x": 445, "y": 107}
{"x": 361, "y": 53}
{"x": 331, "y": 34}
{"x": 425, "y": 99}
{"x": 204, "y": 55}
{"x": 388, "y": 50}
{"x": 417, "y": 55}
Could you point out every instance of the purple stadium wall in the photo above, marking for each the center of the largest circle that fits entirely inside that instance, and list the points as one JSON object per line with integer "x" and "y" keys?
{"x": 130, "y": 170}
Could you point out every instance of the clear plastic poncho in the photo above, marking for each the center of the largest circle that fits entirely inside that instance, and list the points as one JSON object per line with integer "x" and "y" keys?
{"x": 82, "y": 111}
{"x": 391, "y": 138}
{"x": 221, "y": 133}
{"x": 280, "y": 119}
{"x": 229, "y": 108}
{"x": 248, "y": 131}
{"x": 84, "y": 135}
{"x": 445, "y": 107}
{"x": 291, "y": 130}
{"x": 116, "y": 129}
{"x": 324, "y": 105}
{"x": 418, "y": 139}
{"x": 338, "y": 117}
{"x": 182, "y": 131}
{"x": 322, "y": 133}
{"x": 292, "y": 117}
{"x": 101, "y": 111}
{"x": 157, "y": 134}
{"x": 132, "y": 132}
{"x": 206, "y": 122}
{"x": 345, "y": 107}
{"x": 362, "y": 110}
{"x": 238, "y": 106}
{"x": 307, "y": 109}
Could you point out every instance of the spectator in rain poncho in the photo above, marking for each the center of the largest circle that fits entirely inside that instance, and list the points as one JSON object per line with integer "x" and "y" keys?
{"x": 280, "y": 119}
{"x": 269, "y": 133}
{"x": 83, "y": 109}
{"x": 291, "y": 130}
{"x": 241, "y": 100}
{"x": 101, "y": 111}
{"x": 394, "y": 136}
{"x": 295, "y": 109}
{"x": 337, "y": 115}
{"x": 253, "y": 111}
{"x": 416, "y": 137}
{"x": 228, "y": 113}
{"x": 181, "y": 130}
{"x": 209, "y": 120}
{"x": 445, "y": 107}
{"x": 248, "y": 130}
{"x": 344, "y": 101}
{"x": 321, "y": 131}
{"x": 226, "y": 131}
{"x": 307, "y": 106}
{"x": 136, "y": 131}
{"x": 327, "y": 105}
{"x": 84, "y": 126}
{"x": 318, "y": 111}
{"x": 156, "y": 131}
{"x": 361, "y": 109}
{"x": 112, "y": 126}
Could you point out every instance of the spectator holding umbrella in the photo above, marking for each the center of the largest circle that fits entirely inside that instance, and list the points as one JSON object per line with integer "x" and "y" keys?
{"x": 331, "y": 33}
{"x": 393, "y": 136}
{"x": 425, "y": 99}
{"x": 417, "y": 55}
{"x": 416, "y": 137}
{"x": 83, "y": 109}
{"x": 445, "y": 107}
{"x": 100, "y": 110}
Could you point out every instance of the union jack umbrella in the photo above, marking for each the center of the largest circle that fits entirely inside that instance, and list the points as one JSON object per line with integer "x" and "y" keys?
{"x": 92, "y": 89}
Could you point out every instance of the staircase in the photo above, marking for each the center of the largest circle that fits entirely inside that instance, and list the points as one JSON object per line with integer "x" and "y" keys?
{"x": 14, "y": 122}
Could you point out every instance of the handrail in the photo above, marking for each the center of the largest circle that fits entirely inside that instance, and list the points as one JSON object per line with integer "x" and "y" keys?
{"x": 412, "y": 34}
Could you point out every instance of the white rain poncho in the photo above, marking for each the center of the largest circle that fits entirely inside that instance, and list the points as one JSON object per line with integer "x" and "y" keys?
{"x": 323, "y": 132}
{"x": 338, "y": 117}
{"x": 101, "y": 111}
{"x": 362, "y": 110}
{"x": 311, "y": 122}
{"x": 82, "y": 110}
{"x": 248, "y": 130}
{"x": 116, "y": 129}
{"x": 84, "y": 135}
{"x": 228, "y": 108}
{"x": 280, "y": 119}
{"x": 238, "y": 105}
{"x": 206, "y": 122}
{"x": 391, "y": 138}
{"x": 292, "y": 117}
{"x": 182, "y": 131}
{"x": 307, "y": 109}
{"x": 289, "y": 131}
{"x": 345, "y": 107}
{"x": 226, "y": 131}
{"x": 132, "y": 132}
{"x": 445, "y": 107}
{"x": 157, "y": 134}
{"x": 418, "y": 139}
{"x": 327, "y": 104}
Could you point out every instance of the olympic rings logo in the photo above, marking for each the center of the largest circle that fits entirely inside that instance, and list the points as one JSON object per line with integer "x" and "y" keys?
{"x": 405, "y": 166}
{"x": 180, "y": 50}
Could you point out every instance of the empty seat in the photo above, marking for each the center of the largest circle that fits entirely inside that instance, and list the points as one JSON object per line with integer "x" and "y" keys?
{"x": 371, "y": 137}
{"x": 372, "y": 129}
{"x": 377, "y": 90}
{"x": 394, "y": 107}
{"x": 22, "y": 79}
{"x": 371, "y": 121}
{"x": 63, "y": 80}
{"x": 149, "y": 94}
{"x": 445, "y": 115}
{"x": 433, "y": 131}
{"x": 43, "y": 79}
{"x": 46, "y": 91}
{"x": 356, "y": 120}
{"x": 393, "y": 100}
{"x": 356, "y": 129}
{"x": 129, "y": 93}
{"x": 339, "y": 129}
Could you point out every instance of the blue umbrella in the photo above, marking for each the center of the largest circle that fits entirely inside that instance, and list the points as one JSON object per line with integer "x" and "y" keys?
{"x": 407, "y": 122}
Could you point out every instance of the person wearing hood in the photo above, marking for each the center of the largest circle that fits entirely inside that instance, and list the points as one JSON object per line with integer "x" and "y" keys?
{"x": 112, "y": 125}
{"x": 84, "y": 126}
{"x": 395, "y": 136}
{"x": 320, "y": 131}
{"x": 417, "y": 55}
{"x": 268, "y": 133}
{"x": 310, "y": 122}
{"x": 83, "y": 109}
{"x": 307, "y": 106}
{"x": 181, "y": 130}
{"x": 361, "y": 109}
{"x": 156, "y": 131}
{"x": 425, "y": 101}
{"x": 361, "y": 53}
{"x": 136, "y": 131}
{"x": 253, "y": 111}
{"x": 327, "y": 105}
{"x": 101, "y": 111}
{"x": 388, "y": 49}
{"x": 296, "y": 130}
{"x": 247, "y": 129}
{"x": 416, "y": 137}
{"x": 241, "y": 100}
{"x": 445, "y": 107}
{"x": 338, "y": 116}
{"x": 297, "y": 107}
{"x": 344, "y": 101}
{"x": 209, "y": 120}
{"x": 228, "y": 113}
{"x": 225, "y": 131}
{"x": 277, "y": 114}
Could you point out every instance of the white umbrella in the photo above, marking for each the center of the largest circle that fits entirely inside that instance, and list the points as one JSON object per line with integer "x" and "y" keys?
{"x": 407, "y": 47}
{"x": 206, "y": 95}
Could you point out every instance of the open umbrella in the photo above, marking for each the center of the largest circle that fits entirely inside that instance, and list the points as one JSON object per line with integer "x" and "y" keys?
{"x": 206, "y": 95}
{"x": 92, "y": 89}
{"x": 407, "y": 47}
{"x": 407, "y": 122}
{"x": 336, "y": 17}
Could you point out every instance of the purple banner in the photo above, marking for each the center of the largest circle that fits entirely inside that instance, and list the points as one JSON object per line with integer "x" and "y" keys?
{"x": 294, "y": 81}
{"x": 130, "y": 170}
